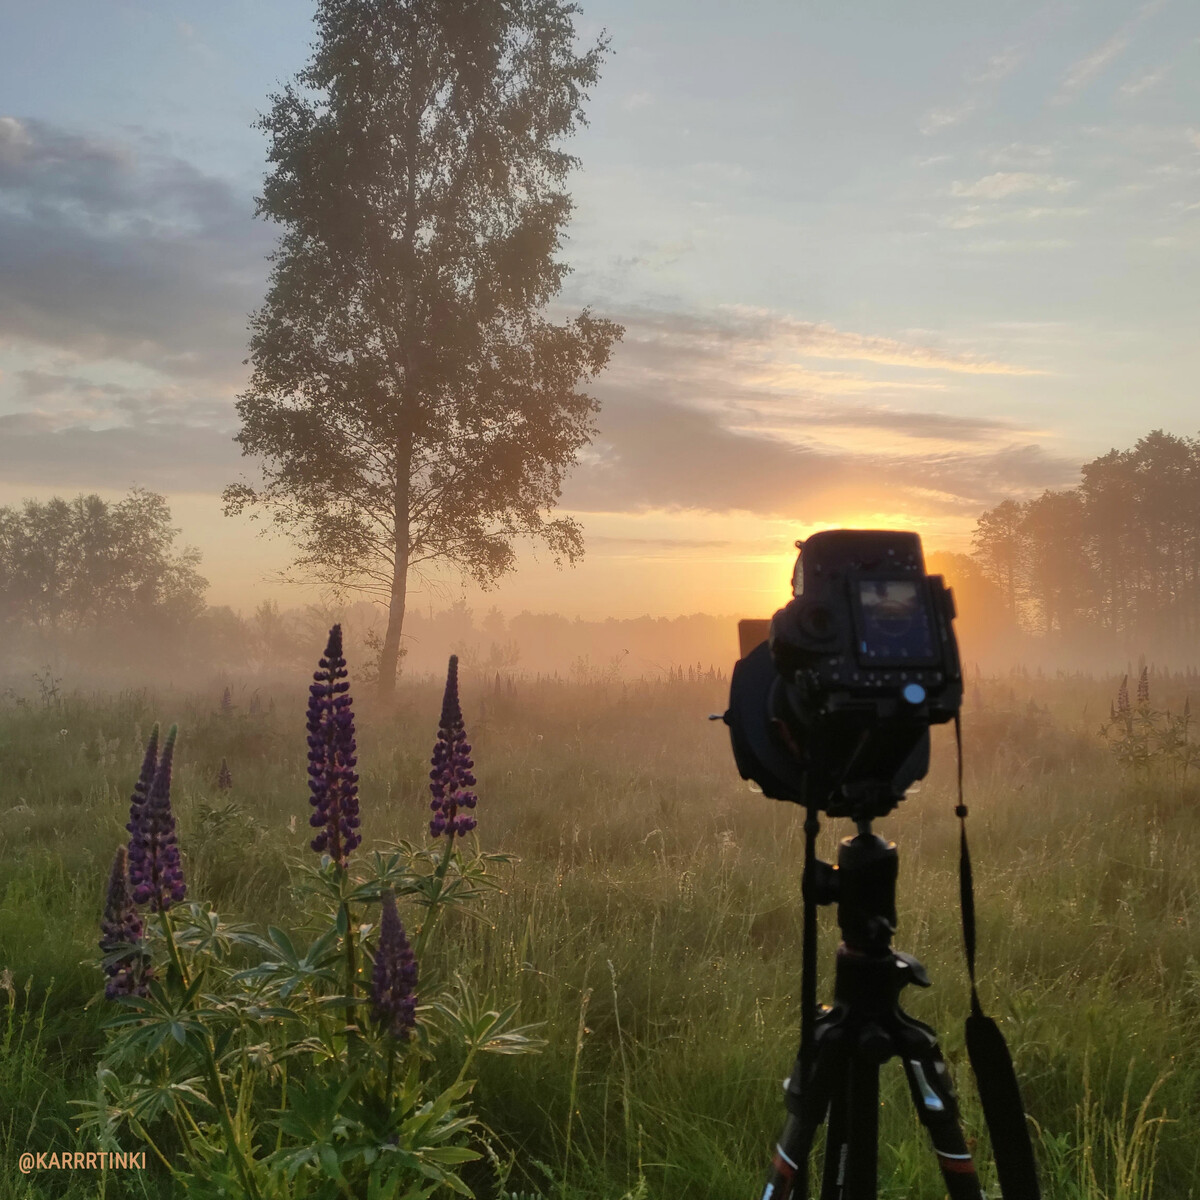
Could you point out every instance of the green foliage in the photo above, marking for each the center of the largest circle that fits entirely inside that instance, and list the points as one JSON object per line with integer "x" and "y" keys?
{"x": 251, "y": 1063}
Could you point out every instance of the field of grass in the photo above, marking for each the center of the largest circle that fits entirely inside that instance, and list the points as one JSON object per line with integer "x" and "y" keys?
{"x": 652, "y": 922}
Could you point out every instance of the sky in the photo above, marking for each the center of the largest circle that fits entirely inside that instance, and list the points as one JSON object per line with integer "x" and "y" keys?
{"x": 877, "y": 264}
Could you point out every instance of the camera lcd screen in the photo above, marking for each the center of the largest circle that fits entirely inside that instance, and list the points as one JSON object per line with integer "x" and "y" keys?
{"x": 894, "y": 623}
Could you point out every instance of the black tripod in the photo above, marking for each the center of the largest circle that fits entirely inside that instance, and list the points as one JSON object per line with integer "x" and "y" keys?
{"x": 836, "y": 1074}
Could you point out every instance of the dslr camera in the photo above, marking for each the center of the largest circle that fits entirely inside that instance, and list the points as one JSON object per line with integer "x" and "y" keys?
{"x": 831, "y": 701}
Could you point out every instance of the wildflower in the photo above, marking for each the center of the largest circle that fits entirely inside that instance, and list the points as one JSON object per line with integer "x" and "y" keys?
{"x": 331, "y": 758}
{"x": 1123, "y": 696}
{"x": 141, "y": 789}
{"x": 224, "y": 779}
{"x": 451, "y": 774}
{"x": 155, "y": 870}
{"x": 394, "y": 979}
{"x": 227, "y": 702}
{"x": 1144, "y": 686}
{"x": 120, "y": 927}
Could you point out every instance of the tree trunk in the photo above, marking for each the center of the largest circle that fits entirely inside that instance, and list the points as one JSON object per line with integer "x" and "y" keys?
{"x": 389, "y": 656}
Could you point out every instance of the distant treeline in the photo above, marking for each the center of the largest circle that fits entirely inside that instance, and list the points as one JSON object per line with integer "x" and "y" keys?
{"x": 1112, "y": 563}
{"x": 87, "y": 565}
{"x": 1105, "y": 570}
{"x": 98, "y": 589}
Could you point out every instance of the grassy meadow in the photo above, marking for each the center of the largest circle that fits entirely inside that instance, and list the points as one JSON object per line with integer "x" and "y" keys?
{"x": 651, "y": 920}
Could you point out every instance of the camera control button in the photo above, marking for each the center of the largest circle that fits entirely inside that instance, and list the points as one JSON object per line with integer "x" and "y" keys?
{"x": 914, "y": 693}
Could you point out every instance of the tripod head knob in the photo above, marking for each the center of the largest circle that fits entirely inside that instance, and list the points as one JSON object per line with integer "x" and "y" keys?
{"x": 909, "y": 970}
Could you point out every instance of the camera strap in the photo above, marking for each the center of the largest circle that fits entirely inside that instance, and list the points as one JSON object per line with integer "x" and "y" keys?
{"x": 991, "y": 1061}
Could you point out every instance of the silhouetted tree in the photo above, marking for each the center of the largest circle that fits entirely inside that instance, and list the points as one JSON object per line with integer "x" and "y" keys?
{"x": 1120, "y": 553}
{"x": 409, "y": 400}
{"x": 1059, "y": 571}
{"x": 88, "y": 564}
{"x": 1000, "y": 548}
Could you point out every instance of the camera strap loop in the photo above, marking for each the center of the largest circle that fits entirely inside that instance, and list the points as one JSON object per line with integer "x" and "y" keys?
{"x": 991, "y": 1061}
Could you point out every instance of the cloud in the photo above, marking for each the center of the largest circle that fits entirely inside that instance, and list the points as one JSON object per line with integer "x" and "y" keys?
{"x": 691, "y": 419}
{"x": 1016, "y": 245}
{"x": 1081, "y": 73}
{"x": 939, "y": 119}
{"x": 762, "y": 336}
{"x": 1143, "y": 83}
{"x": 35, "y": 449}
{"x": 1021, "y": 155}
{"x": 974, "y": 215}
{"x": 1010, "y": 183}
{"x": 666, "y": 456}
{"x": 1085, "y": 70}
{"x": 107, "y": 251}
{"x": 66, "y": 400}
{"x": 999, "y": 66}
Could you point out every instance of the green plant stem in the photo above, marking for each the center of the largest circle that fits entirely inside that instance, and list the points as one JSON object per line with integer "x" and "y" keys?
{"x": 143, "y": 1133}
{"x": 583, "y": 1007}
{"x": 214, "y": 1078}
{"x": 391, "y": 1073}
{"x": 283, "y": 1090}
{"x": 351, "y": 981}
{"x": 434, "y": 907}
{"x": 210, "y": 1067}
{"x": 173, "y": 950}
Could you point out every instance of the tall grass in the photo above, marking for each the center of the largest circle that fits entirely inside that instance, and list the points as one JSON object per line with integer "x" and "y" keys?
{"x": 652, "y": 922}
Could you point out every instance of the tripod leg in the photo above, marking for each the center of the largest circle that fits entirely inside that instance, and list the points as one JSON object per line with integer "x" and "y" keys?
{"x": 808, "y": 1101}
{"x": 852, "y": 1141}
{"x": 937, "y": 1107}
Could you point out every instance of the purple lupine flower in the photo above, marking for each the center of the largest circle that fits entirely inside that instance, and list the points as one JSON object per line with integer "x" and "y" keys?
{"x": 451, "y": 777}
{"x": 121, "y": 926}
{"x": 224, "y": 778}
{"x": 394, "y": 979}
{"x": 331, "y": 759}
{"x": 1123, "y": 696}
{"x": 1144, "y": 686}
{"x": 141, "y": 790}
{"x": 155, "y": 870}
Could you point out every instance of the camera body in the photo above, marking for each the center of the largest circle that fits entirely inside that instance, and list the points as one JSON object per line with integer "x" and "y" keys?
{"x": 833, "y": 708}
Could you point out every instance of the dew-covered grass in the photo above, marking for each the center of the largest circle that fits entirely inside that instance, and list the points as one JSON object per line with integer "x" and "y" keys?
{"x": 651, "y": 919}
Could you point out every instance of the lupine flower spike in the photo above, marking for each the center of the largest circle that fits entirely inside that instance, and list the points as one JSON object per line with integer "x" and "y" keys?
{"x": 451, "y": 778}
{"x": 394, "y": 979}
{"x": 224, "y": 778}
{"x": 155, "y": 870}
{"x": 141, "y": 789}
{"x": 121, "y": 926}
{"x": 1144, "y": 686}
{"x": 1123, "y": 696}
{"x": 331, "y": 757}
